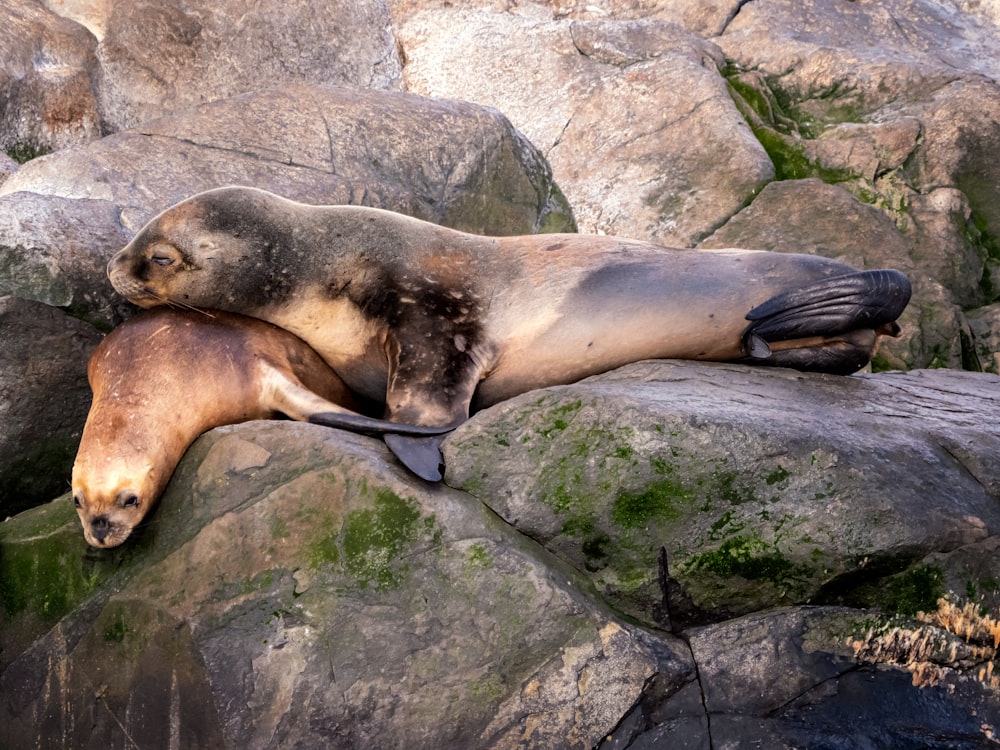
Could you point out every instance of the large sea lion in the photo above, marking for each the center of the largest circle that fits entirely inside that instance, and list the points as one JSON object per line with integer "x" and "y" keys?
{"x": 164, "y": 377}
{"x": 434, "y": 321}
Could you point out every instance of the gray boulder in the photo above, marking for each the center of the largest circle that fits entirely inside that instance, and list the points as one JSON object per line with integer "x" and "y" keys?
{"x": 55, "y": 250}
{"x": 634, "y": 116}
{"x": 896, "y": 104}
{"x": 691, "y": 491}
{"x": 44, "y": 400}
{"x": 47, "y": 73}
{"x": 985, "y": 325}
{"x": 298, "y": 590}
{"x": 72, "y": 72}
{"x": 158, "y": 58}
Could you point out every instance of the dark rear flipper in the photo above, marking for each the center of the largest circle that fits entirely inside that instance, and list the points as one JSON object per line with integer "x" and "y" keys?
{"x": 360, "y": 423}
{"x": 421, "y": 455}
{"x": 859, "y": 302}
{"x": 418, "y": 447}
{"x": 840, "y": 355}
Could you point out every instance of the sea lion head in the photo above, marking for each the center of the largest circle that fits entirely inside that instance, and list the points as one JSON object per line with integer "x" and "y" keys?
{"x": 215, "y": 249}
{"x": 135, "y": 432}
{"x": 111, "y": 499}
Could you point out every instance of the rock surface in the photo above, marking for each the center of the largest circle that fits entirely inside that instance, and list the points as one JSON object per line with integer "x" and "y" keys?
{"x": 72, "y": 72}
{"x": 44, "y": 400}
{"x": 358, "y": 610}
{"x": 680, "y": 159}
{"x": 744, "y": 488}
{"x": 296, "y": 588}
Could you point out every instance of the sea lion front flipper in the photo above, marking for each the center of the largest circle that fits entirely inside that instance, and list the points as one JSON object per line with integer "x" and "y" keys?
{"x": 286, "y": 395}
{"x": 421, "y": 455}
{"x": 862, "y": 300}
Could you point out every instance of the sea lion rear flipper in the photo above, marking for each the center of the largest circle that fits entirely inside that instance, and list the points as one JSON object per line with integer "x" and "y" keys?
{"x": 421, "y": 455}
{"x": 347, "y": 420}
{"x": 862, "y": 300}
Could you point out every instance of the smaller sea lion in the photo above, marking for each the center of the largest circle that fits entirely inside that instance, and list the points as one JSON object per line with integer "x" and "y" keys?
{"x": 164, "y": 377}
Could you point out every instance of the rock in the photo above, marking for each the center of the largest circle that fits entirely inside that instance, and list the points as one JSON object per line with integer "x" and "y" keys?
{"x": 904, "y": 124}
{"x": 701, "y": 18}
{"x": 678, "y": 159}
{"x": 321, "y": 598}
{"x": 690, "y": 492}
{"x": 985, "y": 325}
{"x": 823, "y": 699}
{"x": 296, "y": 587}
{"x": 7, "y": 167}
{"x": 697, "y": 16}
{"x": 158, "y": 58}
{"x": 55, "y": 250}
{"x": 313, "y": 143}
{"x": 47, "y": 78}
{"x": 44, "y": 399}
{"x": 73, "y": 72}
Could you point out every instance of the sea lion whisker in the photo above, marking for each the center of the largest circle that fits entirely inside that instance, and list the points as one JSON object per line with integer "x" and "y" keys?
{"x": 177, "y": 304}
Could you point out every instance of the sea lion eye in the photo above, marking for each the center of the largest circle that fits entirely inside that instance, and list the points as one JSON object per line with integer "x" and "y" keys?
{"x": 164, "y": 254}
{"x": 77, "y": 503}
{"x": 130, "y": 501}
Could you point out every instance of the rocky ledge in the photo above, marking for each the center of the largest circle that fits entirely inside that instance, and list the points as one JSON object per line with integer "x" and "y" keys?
{"x": 627, "y": 561}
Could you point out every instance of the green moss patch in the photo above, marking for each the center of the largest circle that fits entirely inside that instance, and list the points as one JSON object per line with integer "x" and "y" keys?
{"x": 24, "y": 151}
{"x": 368, "y": 544}
{"x": 663, "y": 499}
{"x": 749, "y": 556}
{"x": 43, "y": 570}
{"x": 916, "y": 590}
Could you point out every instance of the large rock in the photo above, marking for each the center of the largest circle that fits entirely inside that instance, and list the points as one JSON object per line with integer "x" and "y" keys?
{"x": 692, "y": 491}
{"x": 47, "y": 73}
{"x": 316, "y": 143}
{"x": 44, "y": 400}
{"x": 896, "y": 103}
{"x": 156, "y": 58}
{"x": 633, "y": 116}
{"x": 55, "y": 250}
{"x": 73, "y": 71}
{"x": 985, "y": 324}
{"x": 297, "y": 590}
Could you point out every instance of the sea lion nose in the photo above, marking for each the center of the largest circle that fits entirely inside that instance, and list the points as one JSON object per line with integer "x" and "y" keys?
{"x": 100, "y": 527}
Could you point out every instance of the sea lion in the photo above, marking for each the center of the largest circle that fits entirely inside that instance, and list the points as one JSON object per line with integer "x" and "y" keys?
{"x": 435, "y": 321}
{"x": 164, "y": 377}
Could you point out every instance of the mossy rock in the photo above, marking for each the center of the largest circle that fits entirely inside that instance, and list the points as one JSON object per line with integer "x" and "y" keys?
{"x": 288, "y": 559}
{"x": 690, "y": 492}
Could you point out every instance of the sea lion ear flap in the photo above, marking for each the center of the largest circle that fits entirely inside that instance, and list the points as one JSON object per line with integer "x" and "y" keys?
{"x": 421, "y": 455}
